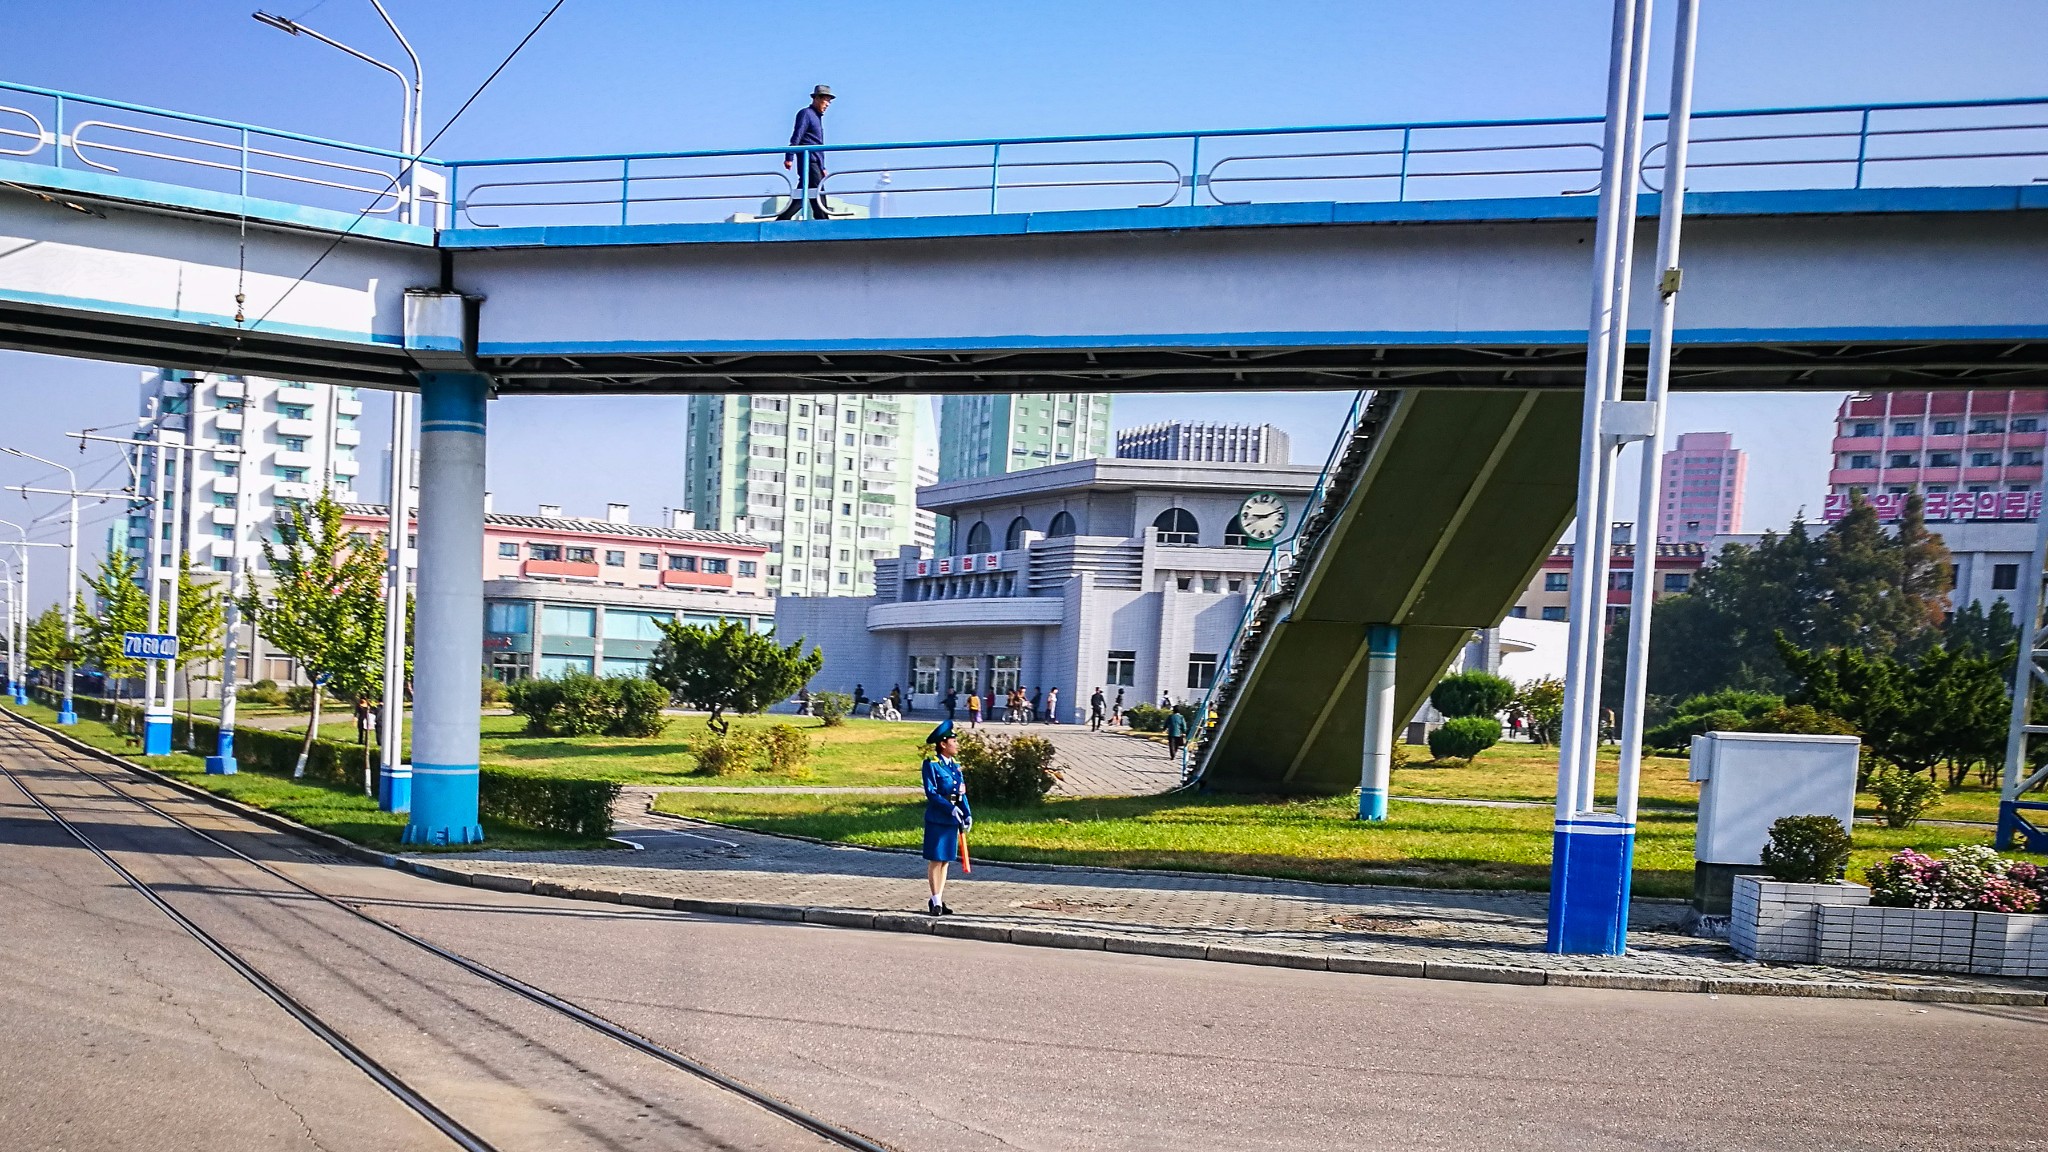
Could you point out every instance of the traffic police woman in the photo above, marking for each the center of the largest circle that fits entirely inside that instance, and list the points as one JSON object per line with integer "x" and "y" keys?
{"x": 947, "y": 816}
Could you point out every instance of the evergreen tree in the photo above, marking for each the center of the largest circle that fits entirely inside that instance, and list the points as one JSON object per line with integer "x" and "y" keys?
{"x": 325, "y": 604}
{"x": 1980, "y": 632}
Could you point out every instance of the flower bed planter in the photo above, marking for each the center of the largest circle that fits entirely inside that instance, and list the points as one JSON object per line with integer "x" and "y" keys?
{"x": 1772, "y": 920}
{"x": 1935, "y": 940}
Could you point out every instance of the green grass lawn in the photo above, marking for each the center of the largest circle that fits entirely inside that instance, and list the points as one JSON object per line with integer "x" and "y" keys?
{"x": 1422, "y": 845}
{"x": 345, "y": 813}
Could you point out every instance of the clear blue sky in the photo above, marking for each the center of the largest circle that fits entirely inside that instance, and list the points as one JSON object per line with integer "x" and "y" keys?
{"x": 646, "y": 74}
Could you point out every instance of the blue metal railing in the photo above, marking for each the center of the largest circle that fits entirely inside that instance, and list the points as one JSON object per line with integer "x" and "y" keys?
{"x": 1847, "y": 145}
{"x": 1278, "y": 564}
{"x": 68, "y": 130}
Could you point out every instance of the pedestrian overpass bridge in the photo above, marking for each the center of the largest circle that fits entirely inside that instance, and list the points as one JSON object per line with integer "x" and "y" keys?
{"x": 1442, "y": 267}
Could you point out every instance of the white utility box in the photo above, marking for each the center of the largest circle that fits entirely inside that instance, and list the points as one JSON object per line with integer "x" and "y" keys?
{"x": 1750, "y": 780}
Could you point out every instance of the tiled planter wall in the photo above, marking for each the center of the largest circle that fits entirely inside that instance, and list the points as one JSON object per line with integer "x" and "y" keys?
{"x": 1773, "y": 920}
{"x": 1935, "y": 940}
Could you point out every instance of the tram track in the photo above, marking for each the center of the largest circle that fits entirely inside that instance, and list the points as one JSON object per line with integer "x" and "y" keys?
{"x": 16, "y": 739}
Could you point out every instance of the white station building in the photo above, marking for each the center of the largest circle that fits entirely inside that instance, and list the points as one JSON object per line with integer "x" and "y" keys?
{"x": 1103, "y": 573}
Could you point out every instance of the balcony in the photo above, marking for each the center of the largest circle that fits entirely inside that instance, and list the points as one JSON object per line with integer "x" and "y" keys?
{"x": 347, "y": 407}
{"x": 671, "y": 578}
{"x": 223, "y": 516}
{"x": 289, "y": 427}
{"x": 348, "y": 437}
{"x": 295, "y": 460}
{"x": 297, "y": 392}
{"x": 292, "y": 490}
{"x": 226, "y": 484}
{"x": 346, "y": 467}
{"x": 228, "y": 421}
{"x": 562, "y": 569}
{"x": 230, "y": 389}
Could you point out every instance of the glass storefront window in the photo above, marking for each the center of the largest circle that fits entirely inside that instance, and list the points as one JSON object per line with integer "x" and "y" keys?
{"x": 620, "y": 624}
{"x": 508, "y": 617}
{"x": 556, "y": 667}
{"x": 566, "y": 620}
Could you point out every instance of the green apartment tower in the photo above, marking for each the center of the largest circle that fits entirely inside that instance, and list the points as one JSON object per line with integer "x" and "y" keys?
{"x": 828, "y": 480}
{"x": 991, "y": 435}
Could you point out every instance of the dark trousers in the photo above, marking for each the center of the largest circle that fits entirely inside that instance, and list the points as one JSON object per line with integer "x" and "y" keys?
{"x": 819, "y": 211}
{"x": 1173, "y": 745}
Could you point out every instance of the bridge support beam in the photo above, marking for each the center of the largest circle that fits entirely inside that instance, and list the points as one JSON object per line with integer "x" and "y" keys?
{"x": 1383, "y": 643}
{"x": 449, "y": 617}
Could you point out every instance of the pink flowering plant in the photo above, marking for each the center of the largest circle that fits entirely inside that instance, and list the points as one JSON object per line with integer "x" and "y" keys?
{"x": 1973, "y": 877}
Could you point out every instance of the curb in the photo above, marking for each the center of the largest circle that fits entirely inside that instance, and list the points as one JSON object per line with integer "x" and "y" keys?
{"x": 1031, "y": 936}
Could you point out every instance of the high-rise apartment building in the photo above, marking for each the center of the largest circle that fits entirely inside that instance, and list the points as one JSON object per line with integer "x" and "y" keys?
{"x": 1214, "y": 443}
{"x": 925, "y": 531}
{"x": 828, "y": 480}
{"x": 293, "y": 439}
{"x": 1701, "y": 488}
{"x": 988, "y": 435}
{"x": 1970, "y": 455}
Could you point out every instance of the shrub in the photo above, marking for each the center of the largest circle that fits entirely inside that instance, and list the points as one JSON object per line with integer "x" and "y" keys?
{"x": 580, "y": 704}
{"x": 261, "y": 692}
{"x": 491, "y": 692}
{"x": 1727, "y": 711}
{"x": 1901, "y": 796}
{"x": 735, "y": 752}
{"x": 788, "y": 749}
{"x": 1008, "y": 770}
{"x": 1152, "y": 718}
{"x": 1807, "y": 850}
{"x": 1473, "y": 694}
{"x": 299, "y": 697}
{"x": 831, "y": 707}
{"x": 1801, "y": 719}
{"x": 1972, "y": 877}
{"x": 547, "y": 803}
{"x": 1463, "y": 737}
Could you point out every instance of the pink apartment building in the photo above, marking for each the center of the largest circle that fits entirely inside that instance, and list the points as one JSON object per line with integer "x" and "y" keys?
{"x": 1701, "y": 487}
{"x": 1971, "y": 455}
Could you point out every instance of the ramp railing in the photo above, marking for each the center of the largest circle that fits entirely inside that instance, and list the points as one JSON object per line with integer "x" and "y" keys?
{"x": 1277, "y": 582}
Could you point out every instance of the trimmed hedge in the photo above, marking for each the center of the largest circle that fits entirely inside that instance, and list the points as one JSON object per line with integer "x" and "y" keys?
{"x": 530, "y": 800}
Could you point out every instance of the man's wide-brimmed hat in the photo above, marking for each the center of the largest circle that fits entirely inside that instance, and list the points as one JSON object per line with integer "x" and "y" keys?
{"x": 822, "y": 90}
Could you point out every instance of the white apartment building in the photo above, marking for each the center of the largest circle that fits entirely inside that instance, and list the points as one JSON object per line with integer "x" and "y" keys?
{"x": 294, "y": 439}
{"x": 924, "y": 531}
{"x": 828, "y": 480}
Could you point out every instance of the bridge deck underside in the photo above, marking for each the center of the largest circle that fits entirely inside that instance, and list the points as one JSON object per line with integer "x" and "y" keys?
{"x": 1460, "y": 499}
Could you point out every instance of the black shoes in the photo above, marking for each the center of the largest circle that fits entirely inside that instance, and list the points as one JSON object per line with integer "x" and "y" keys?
{"x": 934, "y": 908}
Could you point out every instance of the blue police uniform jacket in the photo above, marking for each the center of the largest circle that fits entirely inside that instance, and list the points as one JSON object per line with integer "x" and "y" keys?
{"x": 945, "y": 794}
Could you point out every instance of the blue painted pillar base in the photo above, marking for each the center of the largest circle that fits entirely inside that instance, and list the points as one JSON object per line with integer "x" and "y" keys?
{"x": 2014, "y": 829}
{"x": 394, "y": 789}
{"x": 68, "y": 714}
{"x": 1590, "y": 866}
{"x": 1372, "y": 804}
{"x": 222, "y": 762}
{"x": 444, "y": 805}
{"x": 156, "y": 735}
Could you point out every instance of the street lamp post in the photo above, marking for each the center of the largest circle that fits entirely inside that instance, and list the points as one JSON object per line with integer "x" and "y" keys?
{"x": 68, "y": 713}
{"x": 414, "y": 91}
{"x": 15, "y": 641}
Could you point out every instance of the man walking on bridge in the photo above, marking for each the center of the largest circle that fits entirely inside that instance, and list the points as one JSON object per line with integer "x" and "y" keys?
{"x": 810, "y": 129}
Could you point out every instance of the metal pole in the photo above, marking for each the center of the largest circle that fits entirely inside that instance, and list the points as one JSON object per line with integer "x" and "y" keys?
{"x": 2027, "y": 672}
{"x": 394, "y": 782}
{"x": 222, "y": 762}
{"x": 156, "y": 724}
{"x": 68, "y": 712}
{"x": 1642, "y": 599}
{"x": 177, "y": 469}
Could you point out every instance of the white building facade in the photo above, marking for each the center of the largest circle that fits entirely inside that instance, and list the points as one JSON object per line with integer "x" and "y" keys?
{"x": 1126, "y": 575}
{"x": 828, "y": 480}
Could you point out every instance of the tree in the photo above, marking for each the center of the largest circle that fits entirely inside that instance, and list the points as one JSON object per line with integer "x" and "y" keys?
{"x": 200, "y": 635}
{"x": 47, "y": 647}
{"x": 1474, "y": 693}
{"x": 1976, "y": 630}
{"x": 325, "y": 606}
{"x": 727, "y": 668}
{"x": 1942, "y": 708}
{"x": 122, "y": 607}
{"x": 1539, "y": 705}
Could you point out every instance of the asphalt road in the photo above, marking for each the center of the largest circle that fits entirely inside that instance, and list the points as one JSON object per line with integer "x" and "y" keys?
{"x": 117, "y": 1031}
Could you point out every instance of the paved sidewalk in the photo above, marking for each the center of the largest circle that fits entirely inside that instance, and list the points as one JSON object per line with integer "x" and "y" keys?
{"x": 1460, "y": 934}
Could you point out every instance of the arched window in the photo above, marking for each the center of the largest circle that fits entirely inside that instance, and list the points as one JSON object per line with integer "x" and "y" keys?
{"x": 1233, "y": 533}
{"x": 1177, "y": 526}
{"x": 977, "y": 537}
{"x": 1062, "y": 525}
{"x": 1014, "y": 538}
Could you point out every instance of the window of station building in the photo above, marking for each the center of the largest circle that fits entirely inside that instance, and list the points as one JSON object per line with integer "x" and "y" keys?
{"x": 508, "y": 617}
{"x": 508, "y": 550}
{"x": 543, "y": 551}
{"x": 1177, "y": 526}
{"x": 1234, "y": 584}
{"x": 1233, "y": 533}
{"x": 924, "y": 674}
{"x": 1062, "y": 525}
{"x": 1677, "y": 581}
{"x": 1211, "y": 584}
{"x": 620, "y": 624}
{"x": 1905, "y": 428}
{"x": 978, "y": 537}
{"x": 1123, "y": 667}
{"x": 1557, "y": 581}
{"x": 2005, "y": 576}
{"x": 1944, "y": 427}
{"x": 1554, "y": 612}
{"x": 1184, "y": 583}
{"x": 1201, "y": 670}
{"x": 614, "y": 558}
{"x": 568, "y": 620}
{"x": 1013, "y": 536}
{"x": 582, "y": 555}
{"x": 682, "y": 563}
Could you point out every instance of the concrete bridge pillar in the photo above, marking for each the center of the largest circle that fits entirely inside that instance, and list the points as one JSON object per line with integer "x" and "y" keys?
{"x": 1383, "y": 642}
{"x": 449, "y": 617}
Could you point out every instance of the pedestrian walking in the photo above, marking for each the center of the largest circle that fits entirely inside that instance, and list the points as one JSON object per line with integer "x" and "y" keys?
{"x": 803, "y": 702}
{"x": 947, "y": 816}
{"x": 1166, "y": 701}
{"x": 809, "y": 130}
{"x": 896, "y": 701}
{"x": 1176, "y": 735}
{"x": 1052, "y": 706}
{"x": 860, "y": 699}
{"x": 1116, "y": 711}
{"x": 951, "y": 702}
{"x": 1096, "y": 704}
{"x": 973, "y": 709}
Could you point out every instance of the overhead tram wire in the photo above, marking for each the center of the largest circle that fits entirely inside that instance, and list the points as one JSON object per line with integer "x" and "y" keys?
{"x": 842, "y": 1137}
{"x": 397, "y": 180}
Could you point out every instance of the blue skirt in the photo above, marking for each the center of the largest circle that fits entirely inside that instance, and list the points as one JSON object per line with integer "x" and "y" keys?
{"x": 942, "y": 842}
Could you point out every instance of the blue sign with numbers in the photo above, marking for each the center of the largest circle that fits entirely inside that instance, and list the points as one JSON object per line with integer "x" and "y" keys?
{"x": 149, "y": 646}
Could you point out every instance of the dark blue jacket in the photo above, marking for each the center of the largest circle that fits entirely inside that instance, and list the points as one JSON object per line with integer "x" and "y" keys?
{"x": 810, "y": 129}
{"x": 945, "y": 794}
